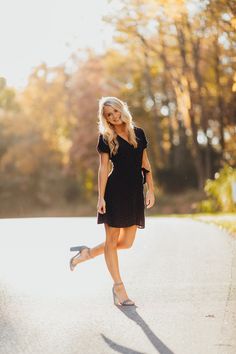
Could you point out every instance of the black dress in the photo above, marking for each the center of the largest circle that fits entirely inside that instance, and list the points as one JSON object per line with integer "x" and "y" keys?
{"x": 124, "y": 192}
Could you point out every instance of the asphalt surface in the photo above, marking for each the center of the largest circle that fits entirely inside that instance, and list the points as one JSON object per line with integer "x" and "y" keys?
{"x": 181, "y": 273}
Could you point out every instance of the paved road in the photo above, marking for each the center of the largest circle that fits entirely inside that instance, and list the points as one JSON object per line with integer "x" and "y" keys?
{"x": 180, "y": 272}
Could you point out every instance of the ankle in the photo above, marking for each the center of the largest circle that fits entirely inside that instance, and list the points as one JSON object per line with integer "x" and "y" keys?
{"x": 120, "y": 283}
{"x": 90, "y": 253}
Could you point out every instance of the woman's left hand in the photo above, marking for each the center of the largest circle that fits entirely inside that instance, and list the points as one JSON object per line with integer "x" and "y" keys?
{"x": 150, "y": 199}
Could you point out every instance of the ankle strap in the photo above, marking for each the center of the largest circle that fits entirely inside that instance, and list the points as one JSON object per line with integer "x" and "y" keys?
{"x": 121, "y": 282}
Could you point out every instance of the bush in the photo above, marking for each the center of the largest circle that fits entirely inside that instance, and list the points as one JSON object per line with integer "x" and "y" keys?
{"x": 219, "y": 192}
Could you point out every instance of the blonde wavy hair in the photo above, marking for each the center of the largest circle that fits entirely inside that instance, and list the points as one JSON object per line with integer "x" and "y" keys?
{"x": 106, "y": 129}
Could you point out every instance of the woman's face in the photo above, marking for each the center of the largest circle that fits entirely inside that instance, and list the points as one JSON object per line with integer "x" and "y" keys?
{"x": 112, "y": 115}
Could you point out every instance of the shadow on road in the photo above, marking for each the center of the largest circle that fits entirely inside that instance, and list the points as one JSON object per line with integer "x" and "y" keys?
{"x": 156, "y": 342}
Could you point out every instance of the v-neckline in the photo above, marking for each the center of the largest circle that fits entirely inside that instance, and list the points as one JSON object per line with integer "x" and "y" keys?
{"x": 125, "y": 139}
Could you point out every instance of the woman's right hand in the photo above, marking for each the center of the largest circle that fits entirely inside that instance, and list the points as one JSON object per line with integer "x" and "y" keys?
{"x": 101, "y": 206}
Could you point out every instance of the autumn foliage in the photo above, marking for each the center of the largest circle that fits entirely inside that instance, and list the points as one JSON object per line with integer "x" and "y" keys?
{"x": 173, "y": 62}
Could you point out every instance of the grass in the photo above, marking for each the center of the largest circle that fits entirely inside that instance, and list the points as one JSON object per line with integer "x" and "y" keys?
{"x": 230, "y": 226}
{"x": 225, "y": 221}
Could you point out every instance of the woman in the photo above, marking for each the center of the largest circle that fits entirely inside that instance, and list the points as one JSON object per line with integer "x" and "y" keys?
{"x": 120, "y": 199}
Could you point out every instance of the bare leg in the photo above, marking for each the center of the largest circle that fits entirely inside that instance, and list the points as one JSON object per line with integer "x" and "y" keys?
{"x": 110, "y": 251}
{"x": 111, "y": 257}
{"x": 125, "y": 240}
{"x": 116, "y": 238}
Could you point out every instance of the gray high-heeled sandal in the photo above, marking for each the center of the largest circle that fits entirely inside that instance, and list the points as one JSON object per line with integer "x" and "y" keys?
{"x": 80, "y": 248}
{"x": 116, "y": 300}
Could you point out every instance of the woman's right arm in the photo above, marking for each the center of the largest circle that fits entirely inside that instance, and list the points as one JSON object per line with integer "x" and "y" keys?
{"x": 103, "y": 172}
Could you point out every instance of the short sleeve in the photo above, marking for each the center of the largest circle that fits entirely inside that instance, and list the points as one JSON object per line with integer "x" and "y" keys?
{"x": 102, "y": 146}
{"x": 144, "y": 139}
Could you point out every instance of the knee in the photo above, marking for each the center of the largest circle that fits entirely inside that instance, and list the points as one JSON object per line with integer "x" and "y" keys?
{"x": 111, "y": 243}
{"x": 125, "y": 244}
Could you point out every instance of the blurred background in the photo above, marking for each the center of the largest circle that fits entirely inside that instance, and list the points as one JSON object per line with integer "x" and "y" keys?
{"x": 172, "y": 61}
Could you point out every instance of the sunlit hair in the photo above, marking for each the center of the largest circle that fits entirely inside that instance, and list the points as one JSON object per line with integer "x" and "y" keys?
{"x": 106, "y": 128}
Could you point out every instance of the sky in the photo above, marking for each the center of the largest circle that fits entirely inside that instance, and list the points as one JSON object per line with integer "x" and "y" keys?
{"x": 32, "y": 32}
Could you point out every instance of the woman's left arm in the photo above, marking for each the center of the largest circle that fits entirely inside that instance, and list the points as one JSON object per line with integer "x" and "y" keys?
{"x": 150, "y": 197}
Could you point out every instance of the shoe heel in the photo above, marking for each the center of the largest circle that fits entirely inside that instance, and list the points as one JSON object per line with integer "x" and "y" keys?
{"x": 115, "y": 298}
{"x": 77, "y": 248}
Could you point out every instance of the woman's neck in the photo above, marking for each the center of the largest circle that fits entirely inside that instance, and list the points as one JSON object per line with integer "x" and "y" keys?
{"x": 121, "y": 129}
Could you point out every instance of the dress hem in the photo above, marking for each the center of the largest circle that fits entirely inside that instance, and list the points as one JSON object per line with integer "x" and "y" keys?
{"x": 138, "y": 225}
